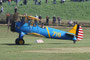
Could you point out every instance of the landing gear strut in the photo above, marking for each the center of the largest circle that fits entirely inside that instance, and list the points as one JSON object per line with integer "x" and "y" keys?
{"x": 74, "y": 41}
{"x": 19, "y": 41}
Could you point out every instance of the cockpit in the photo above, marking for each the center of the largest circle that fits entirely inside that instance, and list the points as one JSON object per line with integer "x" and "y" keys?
{"x": 32, "y": 21}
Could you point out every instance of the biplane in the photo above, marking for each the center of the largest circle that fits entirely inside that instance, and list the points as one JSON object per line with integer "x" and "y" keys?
{"x": 29, "y": 25}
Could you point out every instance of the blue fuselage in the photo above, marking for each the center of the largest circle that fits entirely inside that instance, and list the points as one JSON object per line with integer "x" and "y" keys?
{"x": 46, "y": 31}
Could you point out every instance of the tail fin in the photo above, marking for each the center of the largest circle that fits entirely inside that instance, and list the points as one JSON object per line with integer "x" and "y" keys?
{"x": 79, "y": 34}
{"x": 78, "y": 31}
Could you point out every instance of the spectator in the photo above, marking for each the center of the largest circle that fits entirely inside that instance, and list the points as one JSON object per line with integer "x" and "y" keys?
{"x": 1, "y": 9}
{"x": 25, "y": 2}
{"x": 54, "y": 20}
{"x": 40, "y": 17}
{"x": 36, "y": 16}
{"x": 8, "y": 20}
{"x": 4, "y": 0}
{"x": 15, "y": 17}
{"x": 59, "y": 20}
{"x": 70, "y": 23}
{"x": 25, "y": 14}
{"x": 75, "y": 22}
{"x": 36, "y": 2}
{"x": 87, "y": 0}
{"x": 62, "y": 1}
{"x": 39, "y": 3}
{"x": 47, "y": 20}
{"x": 15, "y": 9}
{"x": 9, "y": 2}
{"x": 0, "y": 2}
{"x": 46, "y": 1}
{"x": 17, "y": 2}
{"x": 54, "y": 1}
{"x": 81, "y": 0}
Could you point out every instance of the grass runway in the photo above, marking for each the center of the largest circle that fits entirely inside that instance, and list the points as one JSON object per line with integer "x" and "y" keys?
{"x": 52, "y": 49}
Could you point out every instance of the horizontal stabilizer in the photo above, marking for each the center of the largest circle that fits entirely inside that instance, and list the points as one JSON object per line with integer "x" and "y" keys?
{"x": 70, "y": 34}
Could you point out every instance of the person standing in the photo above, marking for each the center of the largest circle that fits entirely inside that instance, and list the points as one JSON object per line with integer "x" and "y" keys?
{"x": 8, "y": 20}
{"x": 25, "y": 2}
{"x": 15, "y": 17}
{"x": 15, "y": 9}
{"x": 59, "y": 20}
{"x": 36, "y": 2}
{"x": 62, "y": 1}
{"x": 4, "y": 0}
{"x": 47, "y": 20}
{"x": 0, "y": 2}
{"x": 70, "y": 22}
{"x": 1, "y": 9}
{"x": 54, "y": 20}
{"x": 40, "y": 17}
{"x": 54, "y": 1}
{"x": 46, "y": 1}
{"x": 39, "y": 3}
{"x": 17, "y": 2}
{"x": 36, "y": 16}
{"x": 9, "y": 2}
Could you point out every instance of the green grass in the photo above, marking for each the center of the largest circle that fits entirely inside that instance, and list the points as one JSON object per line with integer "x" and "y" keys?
{"x": 10, "y": 51}
{"x": 67, "y": 11}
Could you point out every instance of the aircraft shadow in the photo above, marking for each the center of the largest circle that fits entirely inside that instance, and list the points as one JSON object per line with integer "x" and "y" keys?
{"x": 13, "y": 44}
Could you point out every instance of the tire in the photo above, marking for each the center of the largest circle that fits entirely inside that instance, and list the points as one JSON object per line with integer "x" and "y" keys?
{"x": 19, "y": 41}
{"x": 16, "y": 41}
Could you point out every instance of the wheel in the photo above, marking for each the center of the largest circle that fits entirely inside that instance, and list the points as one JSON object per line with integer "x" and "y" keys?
{"x": 19, "y": 41}
{"x": 16, "y": 41}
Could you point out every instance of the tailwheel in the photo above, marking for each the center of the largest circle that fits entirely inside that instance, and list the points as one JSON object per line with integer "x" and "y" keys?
{"x": 74, "y": 41}
{"x": 19, "y": 41}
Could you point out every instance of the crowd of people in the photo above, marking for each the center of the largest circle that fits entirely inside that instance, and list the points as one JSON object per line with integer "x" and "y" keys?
{"x": 10, "y": 1}
{"x": 55, "y": 20}
{"x": 47, "y": 21}
{"x": 36, "y": 2}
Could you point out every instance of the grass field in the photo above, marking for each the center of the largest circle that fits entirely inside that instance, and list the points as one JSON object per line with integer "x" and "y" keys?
{"x": 52, "y": 49}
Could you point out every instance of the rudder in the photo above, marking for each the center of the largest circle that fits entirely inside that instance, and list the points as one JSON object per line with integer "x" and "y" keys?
{"x": 78, "y": 31}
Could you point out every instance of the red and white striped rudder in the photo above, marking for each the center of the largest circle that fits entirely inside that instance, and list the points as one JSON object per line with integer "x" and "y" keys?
{"x": 80, "y": 33}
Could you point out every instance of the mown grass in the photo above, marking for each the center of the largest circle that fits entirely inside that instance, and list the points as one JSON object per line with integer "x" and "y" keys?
{"x": 67, "y": 11}
{"x": 10, "y": 51}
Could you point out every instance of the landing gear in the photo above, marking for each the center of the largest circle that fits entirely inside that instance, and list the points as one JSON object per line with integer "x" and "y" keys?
{"x": 19, "y": 41}
{"x": 74, "y": 41}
